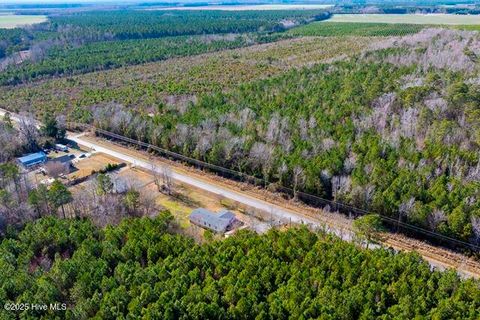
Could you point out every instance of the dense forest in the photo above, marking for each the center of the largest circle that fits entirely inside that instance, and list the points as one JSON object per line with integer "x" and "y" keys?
{"x": 382, "y": 117}
{"x": 140, "y": 269}
{"x": 12, "y": 40}
{"x": 88, "y": 41}
{"x": 394, "y": 131}
{"x": 121, "y": 25}
{"x": 343, "y": 29}
{"x": 113, "y": 54}
{"x": 144, "y": 86}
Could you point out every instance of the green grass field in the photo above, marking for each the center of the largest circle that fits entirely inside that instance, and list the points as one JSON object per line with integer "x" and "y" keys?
{"x": 468, "y": 27}
{"x": 362, "y": 29}
{"x": 9, "y": 21}
{"x": 447, "y": 19}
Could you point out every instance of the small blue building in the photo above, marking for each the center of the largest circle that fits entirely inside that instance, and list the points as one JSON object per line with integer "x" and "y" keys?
{"x": 32, "y": 159}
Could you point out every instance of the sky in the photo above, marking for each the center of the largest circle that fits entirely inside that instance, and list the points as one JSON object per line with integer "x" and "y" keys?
{"x": 192, "y": 1}
{"x": 146, "y": 1}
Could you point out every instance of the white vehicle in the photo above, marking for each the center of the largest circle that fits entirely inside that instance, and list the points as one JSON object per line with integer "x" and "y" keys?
{"x": 47, "y": 182}
{"x": 61, "y": 147}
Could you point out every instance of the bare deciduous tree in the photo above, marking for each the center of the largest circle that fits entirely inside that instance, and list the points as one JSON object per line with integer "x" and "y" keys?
{"x": 476, "y": 228}
{"x": 261, "y": 156}
{"x": 167, "y": 180}
{"x": 341, "y": 185}
{"x": 435, "y": 218}
{"x": 28, "y": 131}
{"x": 273, "y": 129}
{"x": 298, "y": 180}
{"x": 148, "y": 203}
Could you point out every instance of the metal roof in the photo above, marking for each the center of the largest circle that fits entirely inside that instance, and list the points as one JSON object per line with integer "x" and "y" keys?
{"x": 225, "y": 214}
{"x": 65, "y": 158}
{"x": 208, "y": 219}
{"x": 33, "y": 157}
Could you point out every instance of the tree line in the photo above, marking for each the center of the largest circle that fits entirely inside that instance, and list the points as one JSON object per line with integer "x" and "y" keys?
{"x": 103, "y": 55}
{"x": 398, "y": 139}
{"x": 139, "y": 269}
{"x": 88, "y": 41}
{"x": 131, "y": 24}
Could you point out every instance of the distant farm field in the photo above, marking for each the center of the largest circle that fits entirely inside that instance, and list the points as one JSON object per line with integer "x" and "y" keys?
{"x": 362, "y": 29}
{"x": 447, "y": 19}
{"x": 251, "y": 7}
{"x": 12, "y": 21}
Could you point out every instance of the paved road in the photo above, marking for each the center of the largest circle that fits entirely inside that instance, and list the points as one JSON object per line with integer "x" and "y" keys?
{"x": 277, "y": 212}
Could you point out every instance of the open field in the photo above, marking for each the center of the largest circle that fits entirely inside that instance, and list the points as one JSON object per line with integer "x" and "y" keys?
{"x": 251, "y": 7}
{"x": 179, "y": 79}
{"x": 447, "y": 19}
{"x": 8, "y": 21}
{"x": 94, "y": 162}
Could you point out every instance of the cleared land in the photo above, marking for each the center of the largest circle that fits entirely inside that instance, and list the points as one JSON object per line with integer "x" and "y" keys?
{"x": 10, "y": 21}
{"x": 94, "y": 162}
{"x": 447, "y": 19}
{"x": 186, "y": 199}
{"x": 178, "y": 80}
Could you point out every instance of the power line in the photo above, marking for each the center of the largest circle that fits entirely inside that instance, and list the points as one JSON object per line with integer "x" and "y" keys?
{"x": 302, "y": 195}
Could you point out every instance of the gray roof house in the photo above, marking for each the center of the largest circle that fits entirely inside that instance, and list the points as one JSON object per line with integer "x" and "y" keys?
{"x": 65, "y": 159}
{"x": 216, "y": 222}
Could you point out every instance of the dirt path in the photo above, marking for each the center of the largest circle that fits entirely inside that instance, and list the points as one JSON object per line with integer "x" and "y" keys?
{"x": 332, "y": 222}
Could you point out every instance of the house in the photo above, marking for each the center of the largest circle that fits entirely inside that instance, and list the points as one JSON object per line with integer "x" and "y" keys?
{"x": 58, "y": 166}
{"x": 219, "y": 223}
{"x": 66, "y": 160}
{"x": 32, "y": 159}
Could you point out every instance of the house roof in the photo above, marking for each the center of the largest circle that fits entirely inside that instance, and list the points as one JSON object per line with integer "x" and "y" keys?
{"x": 218, "y": 222}
{"x": 32, "y": 157}
{"x": 225, "y": 214}
{"x": 64, "y": 159}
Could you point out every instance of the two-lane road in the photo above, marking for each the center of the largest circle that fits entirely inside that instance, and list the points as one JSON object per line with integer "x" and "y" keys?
{"x": 276, "y": 211}
{"x": 435, "y": 257}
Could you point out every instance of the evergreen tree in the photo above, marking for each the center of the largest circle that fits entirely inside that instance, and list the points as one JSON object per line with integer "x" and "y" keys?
{"x": 59, "y": 196}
